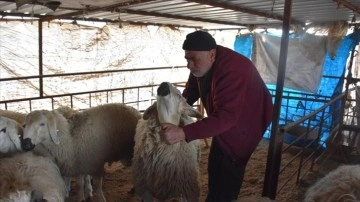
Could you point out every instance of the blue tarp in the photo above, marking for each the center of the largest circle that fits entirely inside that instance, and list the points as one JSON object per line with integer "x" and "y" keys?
{"x": 331, "y": 84}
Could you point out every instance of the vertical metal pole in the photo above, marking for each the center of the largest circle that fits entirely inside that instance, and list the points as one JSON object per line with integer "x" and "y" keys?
{"x": 276, "y": 139}
{"x": 41, "y": 89}
{"x": 348, "y": 80}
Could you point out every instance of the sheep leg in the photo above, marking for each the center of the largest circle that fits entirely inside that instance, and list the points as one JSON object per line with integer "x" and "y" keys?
{"x": 144, "y": 194}
{"x": 67, "y": 181}
{"x": 80, "y": 188}
{"x": 147, "y": 196}
{"x": 88, "y": 188}
{"x": 97, "y": 180}
{"x": 84, "y": 188}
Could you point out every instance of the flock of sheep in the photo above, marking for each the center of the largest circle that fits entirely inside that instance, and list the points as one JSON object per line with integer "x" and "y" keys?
{"x": 40, "y": 152}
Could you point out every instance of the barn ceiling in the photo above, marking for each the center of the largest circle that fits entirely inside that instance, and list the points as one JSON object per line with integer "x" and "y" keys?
{"x": 191, "y": 13}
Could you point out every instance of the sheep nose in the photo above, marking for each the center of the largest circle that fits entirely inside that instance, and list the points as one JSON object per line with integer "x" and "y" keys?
{"x": 163, "y": 89}
{"x": 27, "y": 145}
{"x": 37, "y": 196}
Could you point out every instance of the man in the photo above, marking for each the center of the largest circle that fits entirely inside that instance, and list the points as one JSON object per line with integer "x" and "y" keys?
{"x": 238, "y": 106}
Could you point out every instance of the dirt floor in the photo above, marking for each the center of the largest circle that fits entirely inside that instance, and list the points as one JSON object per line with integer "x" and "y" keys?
{"x": 117, "y": 182}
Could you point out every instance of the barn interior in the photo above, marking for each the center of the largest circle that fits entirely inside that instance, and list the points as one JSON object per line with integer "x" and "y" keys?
{"x": 52, "y": 53}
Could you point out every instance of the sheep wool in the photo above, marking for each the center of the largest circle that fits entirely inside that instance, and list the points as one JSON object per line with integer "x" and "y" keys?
{"x": 17, "y": 116}
{"x": 82, "y": 142}
{"x": 341, "y": 184}
{"x": 160, "y": 170}
{"x": 10, "y": 135}
{"x": 24, "y": 173}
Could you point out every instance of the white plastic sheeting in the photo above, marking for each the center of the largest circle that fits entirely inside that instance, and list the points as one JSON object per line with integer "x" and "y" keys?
{"x": 304, "y": 65}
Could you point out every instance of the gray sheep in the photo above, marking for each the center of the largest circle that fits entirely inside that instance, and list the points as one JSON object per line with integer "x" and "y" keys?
{"x": 160, "y": 170}
{"x": 85, "y": 141}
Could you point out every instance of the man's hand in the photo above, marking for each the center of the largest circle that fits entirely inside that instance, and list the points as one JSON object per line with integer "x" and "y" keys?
{"x": 172, "y": 133}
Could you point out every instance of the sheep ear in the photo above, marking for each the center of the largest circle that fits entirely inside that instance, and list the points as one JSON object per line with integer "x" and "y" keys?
{"x": 51, "y": 123}
{"x": 15, "y": 134}
{"x": 190, "y": 111}
{"x": 150, "y": 111}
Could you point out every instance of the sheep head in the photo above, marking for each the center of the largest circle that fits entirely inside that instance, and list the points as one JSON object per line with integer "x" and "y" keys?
{"x": 40, "y": 125}
{"x": 10, "y": 135}
{"x": 171, "y": 105}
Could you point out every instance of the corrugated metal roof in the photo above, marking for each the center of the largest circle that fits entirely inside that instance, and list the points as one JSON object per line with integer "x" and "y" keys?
{"x": 191, "y": 13}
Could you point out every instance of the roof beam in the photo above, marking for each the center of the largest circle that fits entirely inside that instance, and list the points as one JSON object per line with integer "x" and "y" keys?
{"x": 90, "y": 10}
{"x": 348, "y": 5}
{"x": 243, "y": 10}
{"x": 178, "y": 17}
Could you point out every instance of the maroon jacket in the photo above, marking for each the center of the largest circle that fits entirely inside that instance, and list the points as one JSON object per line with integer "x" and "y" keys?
{"x": 238, "y": 105}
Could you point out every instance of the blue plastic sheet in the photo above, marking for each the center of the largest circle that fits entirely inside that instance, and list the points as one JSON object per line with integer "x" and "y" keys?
{"x": 331, "y": 84}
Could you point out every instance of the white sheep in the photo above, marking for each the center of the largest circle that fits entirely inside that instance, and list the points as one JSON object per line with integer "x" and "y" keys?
{"x": 85, "y": 141}
{"x": 10, "y": 142}
{"x": 10, "y": 136}
{"x": 165, "y": 171}
{"x": 341, "y": 184}
{"x": 24, "y": 173}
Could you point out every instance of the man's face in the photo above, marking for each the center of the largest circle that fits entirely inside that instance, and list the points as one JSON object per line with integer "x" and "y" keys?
{"x": 200, "y": 62}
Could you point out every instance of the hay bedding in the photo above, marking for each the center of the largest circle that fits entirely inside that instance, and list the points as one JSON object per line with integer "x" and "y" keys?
{"x": 117, "y": 182}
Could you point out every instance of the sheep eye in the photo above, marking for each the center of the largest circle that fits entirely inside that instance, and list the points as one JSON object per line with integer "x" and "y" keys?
{"x": 42, "y": 124}
{"x": 3, "y": 130}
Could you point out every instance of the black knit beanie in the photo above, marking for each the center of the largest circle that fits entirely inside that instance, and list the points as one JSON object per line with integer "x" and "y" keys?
{"x": 199, "y": 41}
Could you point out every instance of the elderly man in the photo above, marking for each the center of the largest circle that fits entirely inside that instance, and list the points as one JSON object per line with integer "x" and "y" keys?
{"x": 238, "y": 106}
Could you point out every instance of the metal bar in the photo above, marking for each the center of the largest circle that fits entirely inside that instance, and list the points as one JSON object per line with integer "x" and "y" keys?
{"x": 77, "y": 93}
{"x": 276, "y": 139}
{"x": 138, "y": 97}
{"x": 92, "y": 72}
{"x": 287, "y": 127}
{"x": 146, "y": 13}
{"x": 123, "y": 95}
{"x": 90, "y": 99}
{"x": 239, "y": 9}
{"x": 41, "y": 84}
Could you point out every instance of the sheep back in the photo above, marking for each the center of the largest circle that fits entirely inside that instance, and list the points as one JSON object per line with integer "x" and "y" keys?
{"x": 115, "y": 121}
{"x": 165, "y": 170}
{"x": 341, "y": 184}
{"x": 28, "y": 172}
{"x": 17, "y": 116}
{"x": 90, "y": 138}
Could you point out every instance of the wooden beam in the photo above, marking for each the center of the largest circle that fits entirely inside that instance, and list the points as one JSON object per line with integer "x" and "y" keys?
{"x": 348, "y": 5}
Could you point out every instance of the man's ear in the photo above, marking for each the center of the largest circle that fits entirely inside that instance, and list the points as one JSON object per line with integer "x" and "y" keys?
{"x": 212, "y": 55}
